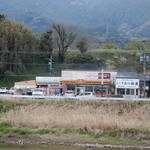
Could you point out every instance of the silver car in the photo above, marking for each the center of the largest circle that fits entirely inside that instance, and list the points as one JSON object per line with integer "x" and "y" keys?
{"x": 3, "y": 90}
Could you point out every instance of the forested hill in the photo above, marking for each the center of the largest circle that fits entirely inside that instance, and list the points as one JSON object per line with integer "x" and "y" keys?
{"x": 129, "y": 17}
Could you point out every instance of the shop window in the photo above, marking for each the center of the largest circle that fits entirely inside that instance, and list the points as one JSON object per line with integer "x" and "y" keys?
{"x": 89, "y": 88}
{"x": 121, "y": 91}
{"x": 132, "y": 91}
{"x": 127, "y": 91}
{"x": 137, "y": 92}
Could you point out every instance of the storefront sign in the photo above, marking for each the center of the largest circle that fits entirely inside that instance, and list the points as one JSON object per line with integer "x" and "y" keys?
{"x": 91, "y": 75}
{"x": 47, "y": 80}
{"x": 104, "y": 76}
{"x": 81, "y": 81}
{"x": 96, "y": 75}
{"x": 127, "y": 83}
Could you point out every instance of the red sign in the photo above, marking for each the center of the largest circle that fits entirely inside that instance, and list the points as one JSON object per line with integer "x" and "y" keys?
{"x": 105, "y": 76}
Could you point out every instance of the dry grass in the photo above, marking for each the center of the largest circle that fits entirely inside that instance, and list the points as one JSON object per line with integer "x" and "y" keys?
{"x": 80, "y": 115}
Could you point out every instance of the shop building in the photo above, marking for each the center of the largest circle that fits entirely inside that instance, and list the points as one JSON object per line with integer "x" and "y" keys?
{"x": 21, "y": 88}
{"x": 51, "y": 85}
{"x": 101, "y": 82}
{"x": 98, "y": 82}
{"x": 130, "y": 84}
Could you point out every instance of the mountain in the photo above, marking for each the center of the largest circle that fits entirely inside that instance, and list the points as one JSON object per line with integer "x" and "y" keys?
{"x": 113, "y": 16}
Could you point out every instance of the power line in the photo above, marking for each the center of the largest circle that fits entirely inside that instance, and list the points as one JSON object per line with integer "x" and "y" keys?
{"x": 17, "y": 63}
{"x": 21, "y": 75}
{"x": 36, "y": 64}
{"x": 72, "y": 52}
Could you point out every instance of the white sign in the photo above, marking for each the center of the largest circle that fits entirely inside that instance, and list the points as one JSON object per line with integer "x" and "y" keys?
{"x": 127, "y": 83}
{"x": 98, "y": 75}
{"x": 146, "y": 58}
{"x": 92, "y": 75}
{"x": 47, "y": 79}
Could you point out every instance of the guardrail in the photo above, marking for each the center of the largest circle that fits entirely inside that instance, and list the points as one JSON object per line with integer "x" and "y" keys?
{"x": 29, "y": 97}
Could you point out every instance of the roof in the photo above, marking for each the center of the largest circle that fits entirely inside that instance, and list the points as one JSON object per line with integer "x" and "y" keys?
{"x": 130, "y": 75}
{"x": 25, "y": 84}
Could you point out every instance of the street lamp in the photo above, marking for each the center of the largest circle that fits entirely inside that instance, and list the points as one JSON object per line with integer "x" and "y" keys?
{"x": 145, "y": 59}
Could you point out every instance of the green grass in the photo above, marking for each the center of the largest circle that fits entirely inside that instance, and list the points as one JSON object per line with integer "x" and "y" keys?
{"x": 4, "y": 107}
{"x": 6, "y": 128}
{"x": 111, "y": 137}
{"x": 46, "y": 131}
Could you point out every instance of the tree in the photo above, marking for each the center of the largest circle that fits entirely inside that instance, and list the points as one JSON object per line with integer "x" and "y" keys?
{"x": 83, "y": 44}
{"x": 46, "y": 42}
{"x": 2, "y": 17}
{"x": 64, "y": 37}
{"x": 110, "y": 45}
{"x": 135, "y": 45}
{"x": 15, "y": 37}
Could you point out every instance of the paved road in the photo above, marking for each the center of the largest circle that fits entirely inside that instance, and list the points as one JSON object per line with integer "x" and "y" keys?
{"x": 7, "y": 96}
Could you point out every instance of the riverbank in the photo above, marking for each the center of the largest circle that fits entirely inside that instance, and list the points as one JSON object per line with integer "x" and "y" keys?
{"x": 98, "y": 123}
{"x": 34, "y": 140}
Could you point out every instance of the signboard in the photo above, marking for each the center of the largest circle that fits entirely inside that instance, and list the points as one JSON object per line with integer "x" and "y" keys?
{"x": 47, "y": 80}
{"x": 105, "y": 76}
{"x": 127, "y": 83}
{"x": 91, "y": 75}
{"x": 81, "y": 81}
{"x": 96, "y": 75}
{"x": 146, "y": 58}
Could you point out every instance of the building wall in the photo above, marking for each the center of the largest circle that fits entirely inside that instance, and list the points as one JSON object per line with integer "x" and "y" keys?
{"x": 73, "y": 75}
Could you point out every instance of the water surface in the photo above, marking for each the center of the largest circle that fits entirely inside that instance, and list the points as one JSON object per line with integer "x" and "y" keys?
{"x": 45, "y": 147}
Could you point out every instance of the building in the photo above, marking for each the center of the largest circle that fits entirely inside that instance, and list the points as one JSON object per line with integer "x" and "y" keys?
{"x": 22, "y": 87}
{"x": 131, "y": 84}
{"x": 52, "y": 85}
{"x": 101, "y": 82}
{"x": 80, "y": 81}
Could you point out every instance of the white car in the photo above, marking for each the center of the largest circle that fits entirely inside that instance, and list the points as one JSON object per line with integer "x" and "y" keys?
{"x": 11, "y": 90}
{"x": 69, "y": 93}
{"x": 3, "y": 90}
{"x": 86, "y": 95}
{"x": 37, "y": 92}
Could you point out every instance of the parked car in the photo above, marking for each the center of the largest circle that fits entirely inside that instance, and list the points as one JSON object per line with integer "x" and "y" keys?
{"x": 37, "y": 92}
{"x": 69, "y": 93}
{"x": 11, "y": 90}
{"x": 86, "y": 95}
{"x": 29, "y": 92}
{"x": 3, "y": 90}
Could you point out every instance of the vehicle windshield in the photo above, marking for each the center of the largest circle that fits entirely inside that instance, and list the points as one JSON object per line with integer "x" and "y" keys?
{"x": 69, "y": 92}
{"x": 87, "y": 93}
{"x": 38, "y": 90}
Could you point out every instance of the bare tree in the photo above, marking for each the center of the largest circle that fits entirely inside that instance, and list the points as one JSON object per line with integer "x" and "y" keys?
{"x": 64, "y": 37}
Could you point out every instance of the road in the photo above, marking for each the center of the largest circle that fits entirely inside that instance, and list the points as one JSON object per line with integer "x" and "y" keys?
{"x": 28, "y": 97}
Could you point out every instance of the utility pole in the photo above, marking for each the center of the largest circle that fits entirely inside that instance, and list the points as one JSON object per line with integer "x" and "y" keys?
{"x": 145, "y": 60}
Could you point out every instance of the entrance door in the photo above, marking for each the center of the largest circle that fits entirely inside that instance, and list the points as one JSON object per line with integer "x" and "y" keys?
{"x": 80, "y": 90}
{"x": 100, "y": 91}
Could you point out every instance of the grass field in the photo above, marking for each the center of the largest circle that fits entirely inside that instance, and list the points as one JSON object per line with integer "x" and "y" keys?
{"x": 105, "y": 122}
{"x": 91, "y": 115}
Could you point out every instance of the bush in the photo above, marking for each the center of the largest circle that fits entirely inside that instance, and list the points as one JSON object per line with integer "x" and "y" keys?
{"x": 21, "y": 131}
{"x": 46, "y": 131}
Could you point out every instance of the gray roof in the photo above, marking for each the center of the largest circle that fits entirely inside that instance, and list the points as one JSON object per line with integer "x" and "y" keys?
{"x": 130, "y": 75}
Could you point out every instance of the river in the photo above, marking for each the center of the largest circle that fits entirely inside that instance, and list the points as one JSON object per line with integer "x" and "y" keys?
{"x": 45, "y": 147}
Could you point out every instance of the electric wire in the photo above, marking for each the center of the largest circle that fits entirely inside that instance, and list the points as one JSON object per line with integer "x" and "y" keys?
{"x": 69, "y": 51}
{"x": 52, "y": 53}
